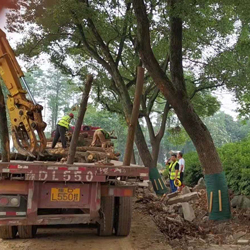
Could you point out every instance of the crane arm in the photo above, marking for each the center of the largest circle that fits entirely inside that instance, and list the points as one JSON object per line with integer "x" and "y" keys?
{"x": 27, "y": 125}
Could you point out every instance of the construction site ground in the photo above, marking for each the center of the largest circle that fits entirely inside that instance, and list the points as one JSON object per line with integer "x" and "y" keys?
{"x": 145, "y": 234}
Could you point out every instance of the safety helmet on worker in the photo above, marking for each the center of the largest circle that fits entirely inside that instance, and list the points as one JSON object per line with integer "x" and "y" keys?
{"x": 71, "y": 115}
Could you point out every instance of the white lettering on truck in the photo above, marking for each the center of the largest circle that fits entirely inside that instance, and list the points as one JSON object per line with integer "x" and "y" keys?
{"x": 54, "y": 176}
{"x": 78, "y": 176}
{"x": 89, "y": 176}
{"x": 66, "y": 175}
{"x": 43, "y": 175}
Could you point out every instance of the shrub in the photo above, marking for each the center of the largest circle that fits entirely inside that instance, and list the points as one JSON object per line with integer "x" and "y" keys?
{"x": 235, "y": 158}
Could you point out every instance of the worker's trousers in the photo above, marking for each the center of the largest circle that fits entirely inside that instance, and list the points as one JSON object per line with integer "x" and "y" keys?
{"x": 172, "y": 186}
{"x": 60, "y": 133}
{"x": 99, "y": 137}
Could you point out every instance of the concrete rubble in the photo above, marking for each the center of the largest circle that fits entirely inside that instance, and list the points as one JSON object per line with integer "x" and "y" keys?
{"x": 240, "y": 201}
{"x": 200, "y": 185}
{"x": 184, "y": 219}
{"x": 188, "y": 211}
{"x": 183, "y": 198}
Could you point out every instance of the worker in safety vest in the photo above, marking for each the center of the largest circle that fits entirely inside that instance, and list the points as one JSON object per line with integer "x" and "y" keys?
{"x": 174, "y": 172}
{"x": 102, "y": 136}
{"x": 61, "y": 128}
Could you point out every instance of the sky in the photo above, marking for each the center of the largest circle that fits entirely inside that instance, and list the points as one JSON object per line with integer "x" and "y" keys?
{"x": 225, "y": 97}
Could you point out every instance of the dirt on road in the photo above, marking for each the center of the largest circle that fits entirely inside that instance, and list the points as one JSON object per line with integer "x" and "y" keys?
{"x": 144, "y": 235}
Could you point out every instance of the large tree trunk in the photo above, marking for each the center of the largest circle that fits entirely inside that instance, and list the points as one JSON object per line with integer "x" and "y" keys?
{"x": 175, "y": 92}
{"x": 82, "y": 110}
{"x": 4, "y": 133}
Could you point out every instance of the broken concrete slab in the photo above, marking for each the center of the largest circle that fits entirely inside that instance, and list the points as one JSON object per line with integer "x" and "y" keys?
{"x": 186, "y": 190}
{"x": 200, "y": 185}
{"x": 239, "y": 234}
{"x": 183, "y": 198}
{"x": 171, "y": 195}
{"x": 243, "y": 242}
{"x": 240, "y": 201}
{"x": 188, "y": 211}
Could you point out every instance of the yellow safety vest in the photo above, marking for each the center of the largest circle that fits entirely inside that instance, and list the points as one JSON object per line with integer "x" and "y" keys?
{"x": 172, "y": 170}
{"x": 105, "y": 133}
{"x": 65, "y": 121}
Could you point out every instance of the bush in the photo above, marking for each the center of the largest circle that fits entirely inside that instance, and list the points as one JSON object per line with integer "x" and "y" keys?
{"x": 193, "y": 170}
{"x": 235, "y": 158}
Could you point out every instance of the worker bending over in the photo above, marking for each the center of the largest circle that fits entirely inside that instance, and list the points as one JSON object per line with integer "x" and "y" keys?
{"x": 61, "y": 129}
{"x": 101, "y": 136}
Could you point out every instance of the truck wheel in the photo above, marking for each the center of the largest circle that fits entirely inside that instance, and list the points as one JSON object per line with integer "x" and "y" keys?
{"x": 8, "y": 232}
{"x": 123, "y": 216}
{"x": 105, "y": 227}
{"x": 27, "y": 232}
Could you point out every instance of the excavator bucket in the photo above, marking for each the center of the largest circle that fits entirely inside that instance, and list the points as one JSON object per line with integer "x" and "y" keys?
{"x": 27, "y": 125}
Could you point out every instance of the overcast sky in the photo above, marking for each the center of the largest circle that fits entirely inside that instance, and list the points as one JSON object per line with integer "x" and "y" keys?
{"x": 225, "y": 97}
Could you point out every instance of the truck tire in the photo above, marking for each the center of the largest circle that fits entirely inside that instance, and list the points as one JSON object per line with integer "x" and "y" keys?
{"x": 8, "y": 232}
{"x": 105, "y": 227}
{"x": 123, "y": 216}
{"x": 27, "y": 232}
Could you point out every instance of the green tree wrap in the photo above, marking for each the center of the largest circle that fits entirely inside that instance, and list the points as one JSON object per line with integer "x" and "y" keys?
{"x": 214, "y": 183}
{"x": 158, "y": 184}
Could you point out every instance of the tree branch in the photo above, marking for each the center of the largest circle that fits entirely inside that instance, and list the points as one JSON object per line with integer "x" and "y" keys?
{"x": 148, "y": 121}
{"x": 152, "y": 100}
{"x": 123, "y": 37}
{"x": 205, "y": 88}
{"x": 161, "y": 132}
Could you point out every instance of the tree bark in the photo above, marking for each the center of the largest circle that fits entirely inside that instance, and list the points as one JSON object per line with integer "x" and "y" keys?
{"x": 133, "y": 160}
{"x": 81, "y": 113}
{"x": 4, "y": 133}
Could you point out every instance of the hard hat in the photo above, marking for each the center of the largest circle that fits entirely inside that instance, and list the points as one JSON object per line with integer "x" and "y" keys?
{"x": 71, "y": 115}
{"x": 177, "y": 183}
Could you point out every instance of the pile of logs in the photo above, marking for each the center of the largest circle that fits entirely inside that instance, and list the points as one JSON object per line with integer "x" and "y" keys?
{"x": 83, "y": 154}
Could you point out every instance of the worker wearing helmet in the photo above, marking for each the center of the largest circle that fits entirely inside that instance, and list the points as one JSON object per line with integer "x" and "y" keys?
{"x": 102, "y": 136}
{"x": 61, "y": 128}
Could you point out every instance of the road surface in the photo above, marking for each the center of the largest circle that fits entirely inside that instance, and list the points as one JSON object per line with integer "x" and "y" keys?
{"x": 144, "y": 235}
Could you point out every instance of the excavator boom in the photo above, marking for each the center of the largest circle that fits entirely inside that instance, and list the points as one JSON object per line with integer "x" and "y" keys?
{"x": 27, "y": 125}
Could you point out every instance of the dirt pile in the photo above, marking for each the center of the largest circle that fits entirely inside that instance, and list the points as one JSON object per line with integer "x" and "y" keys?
{"x": 199, "y": 231}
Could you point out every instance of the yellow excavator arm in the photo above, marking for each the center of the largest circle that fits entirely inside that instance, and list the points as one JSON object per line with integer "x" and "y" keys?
{"x": 27, "y": 125}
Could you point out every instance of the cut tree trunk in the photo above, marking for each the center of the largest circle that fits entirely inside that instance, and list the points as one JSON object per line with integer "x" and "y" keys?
{"x": 82, "y": 110}
{"x": 134, "y": 117}
{"x": 99, "y": 155}
{"x": 4, "y": 133}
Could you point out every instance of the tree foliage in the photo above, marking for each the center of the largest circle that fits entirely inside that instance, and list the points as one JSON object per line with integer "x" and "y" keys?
{"x": 236, "y": 164}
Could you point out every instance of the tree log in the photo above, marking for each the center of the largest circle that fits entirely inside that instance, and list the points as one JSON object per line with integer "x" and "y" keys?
{"x": 101, "y": 156}
{"x": 134, "y": 117}
{"x": 82, "y": 110}
{"x": 4, "y": 133}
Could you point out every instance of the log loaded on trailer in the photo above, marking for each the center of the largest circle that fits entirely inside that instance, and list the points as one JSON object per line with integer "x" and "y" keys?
{"x": 38, "y": 193}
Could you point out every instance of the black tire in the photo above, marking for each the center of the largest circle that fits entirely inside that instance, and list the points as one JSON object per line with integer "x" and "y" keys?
{"x": 8, "y": 232}
{"x": 123, "y": 216}
{"x": 27, "y": 232}
{"x": 105, "y": 227}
